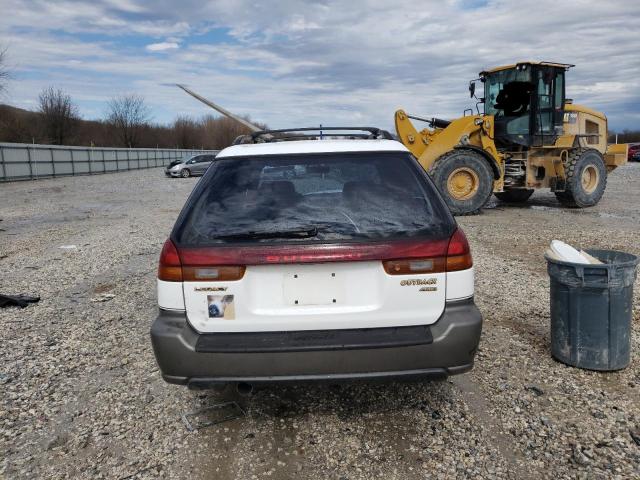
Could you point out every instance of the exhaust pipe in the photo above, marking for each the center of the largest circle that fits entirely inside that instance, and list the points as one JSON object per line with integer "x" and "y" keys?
{"x": 244, "y": 389}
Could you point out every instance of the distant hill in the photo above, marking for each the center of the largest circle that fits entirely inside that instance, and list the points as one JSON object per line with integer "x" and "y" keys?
{"x": 14, "y": 123}
{"x": 8, "y": 109}
{"x": 25, "y": 126}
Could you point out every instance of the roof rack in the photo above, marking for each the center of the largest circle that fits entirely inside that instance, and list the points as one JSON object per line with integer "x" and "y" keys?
{"x": 292, "y": 134}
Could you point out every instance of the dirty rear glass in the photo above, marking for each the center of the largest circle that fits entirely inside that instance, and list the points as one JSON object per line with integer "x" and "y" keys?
{"x": 320, "y": 197}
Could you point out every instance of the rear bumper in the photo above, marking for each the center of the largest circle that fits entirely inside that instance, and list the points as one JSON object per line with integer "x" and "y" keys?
{"x": 445, "y": 348}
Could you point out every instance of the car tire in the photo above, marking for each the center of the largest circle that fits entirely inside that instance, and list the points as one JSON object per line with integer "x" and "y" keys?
{"x": 185, "y": 173}
{"x": 464, "y": 179}
{"x": 586, "y": 179}
{"x": 519, "y": 195}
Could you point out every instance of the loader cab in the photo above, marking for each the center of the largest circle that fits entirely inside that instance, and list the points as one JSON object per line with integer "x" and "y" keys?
{"x": 527, "y": 103}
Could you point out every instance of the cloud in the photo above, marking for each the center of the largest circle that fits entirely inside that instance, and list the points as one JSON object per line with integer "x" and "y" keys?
{"x": 304, "y": 63}
{"x": 162, "y": 46}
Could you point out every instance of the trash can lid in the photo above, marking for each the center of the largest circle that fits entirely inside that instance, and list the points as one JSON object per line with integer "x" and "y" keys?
{"x": 567, "y": 253}
{"x": 609, "y": 258}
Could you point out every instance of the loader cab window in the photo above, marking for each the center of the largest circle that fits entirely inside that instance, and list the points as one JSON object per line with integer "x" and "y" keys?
{"x": 559, "y": 94}
{"x": 549, "y": 108}
{"x": 508, "y": 99}
{"x": 527, "y": 103}
{"x": 544, "y": 119}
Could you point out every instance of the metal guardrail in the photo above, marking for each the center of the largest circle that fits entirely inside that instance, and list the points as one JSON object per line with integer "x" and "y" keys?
{"x": 25, "y": 161}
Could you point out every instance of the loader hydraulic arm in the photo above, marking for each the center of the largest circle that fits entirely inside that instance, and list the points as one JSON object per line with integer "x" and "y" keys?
{"x": 429, "y": 144}
{"x": 416, "y": 141}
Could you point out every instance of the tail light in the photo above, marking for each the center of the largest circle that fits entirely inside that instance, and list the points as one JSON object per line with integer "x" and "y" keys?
{"x": 455, "y": 256}
{"x": 227, "y": 263}
{"x": 310, "y": 253}
{"x": 172, "y": 269}
{"x": 221, "y": 273}
{"x": 412, "y": 267}
{"x": 458, "y": 252}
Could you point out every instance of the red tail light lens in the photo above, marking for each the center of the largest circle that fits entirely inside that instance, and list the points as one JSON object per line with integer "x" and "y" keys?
{"x": 310, "y": 253}
{"x": 458, "y": 253}
{"x": 456, "y": 256}
{"x": 170, "y": 268}
{"x": 227, "y": 263}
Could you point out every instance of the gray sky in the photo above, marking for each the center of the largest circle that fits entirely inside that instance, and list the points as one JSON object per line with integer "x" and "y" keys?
{"x": 295, "y": 63}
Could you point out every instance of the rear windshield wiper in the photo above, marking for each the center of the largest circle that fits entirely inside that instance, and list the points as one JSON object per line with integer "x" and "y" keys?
{"x": 304, "y": 232}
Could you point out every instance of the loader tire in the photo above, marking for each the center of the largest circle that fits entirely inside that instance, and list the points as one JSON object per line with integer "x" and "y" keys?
{"x": 514, "y": 196}
{"x": 586, "y": 179}
{"x": 464, "y": 179}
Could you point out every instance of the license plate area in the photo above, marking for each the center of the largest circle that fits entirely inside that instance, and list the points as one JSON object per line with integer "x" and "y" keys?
{"x": 313, "y": 288}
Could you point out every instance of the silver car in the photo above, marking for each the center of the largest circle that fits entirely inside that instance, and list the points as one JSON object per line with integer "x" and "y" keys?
{"x": 188, "y": 166}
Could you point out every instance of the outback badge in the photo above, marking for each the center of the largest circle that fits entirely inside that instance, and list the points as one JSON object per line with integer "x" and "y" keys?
{"x": 416, "y": 282}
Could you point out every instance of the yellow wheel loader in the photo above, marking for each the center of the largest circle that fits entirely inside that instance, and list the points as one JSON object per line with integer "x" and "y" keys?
{"x": 529, "y": 137}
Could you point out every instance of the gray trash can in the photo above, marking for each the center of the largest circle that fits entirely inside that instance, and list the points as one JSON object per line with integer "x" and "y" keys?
{"x": 591, "y": 308}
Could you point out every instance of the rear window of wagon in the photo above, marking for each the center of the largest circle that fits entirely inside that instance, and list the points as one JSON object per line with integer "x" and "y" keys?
{"x": 329, "y": 197}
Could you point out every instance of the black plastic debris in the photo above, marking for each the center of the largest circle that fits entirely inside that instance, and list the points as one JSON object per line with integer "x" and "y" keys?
{"x": 21, "y": 301}
{"x": 535, "y": 389}
{"x": 225, "y": 411}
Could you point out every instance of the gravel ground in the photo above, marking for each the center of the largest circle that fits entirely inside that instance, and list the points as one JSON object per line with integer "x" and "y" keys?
{"x": 81, "y": 396}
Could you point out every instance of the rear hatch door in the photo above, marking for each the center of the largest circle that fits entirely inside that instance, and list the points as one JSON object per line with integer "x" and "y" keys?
{"x": 313, "y": 243}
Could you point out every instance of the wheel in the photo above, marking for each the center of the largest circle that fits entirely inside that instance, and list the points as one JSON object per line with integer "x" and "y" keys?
{"x": 514, "y": 196}
{"x": 185, "y": 173}
{"x": 465, "y": 180}
{"x": 586, "y": 178}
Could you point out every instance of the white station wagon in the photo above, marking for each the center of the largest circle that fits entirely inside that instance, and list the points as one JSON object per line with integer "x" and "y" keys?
{"x": 316, "y": 259}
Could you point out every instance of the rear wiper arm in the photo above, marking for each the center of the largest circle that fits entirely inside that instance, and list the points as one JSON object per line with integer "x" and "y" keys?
{"x": 304, "y": 232}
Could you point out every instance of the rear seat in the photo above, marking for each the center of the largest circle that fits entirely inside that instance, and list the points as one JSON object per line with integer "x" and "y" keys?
{"x": 282, "y": 191}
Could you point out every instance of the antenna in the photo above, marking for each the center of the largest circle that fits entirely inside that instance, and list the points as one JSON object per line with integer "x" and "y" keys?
{"x": 218, "y": 108}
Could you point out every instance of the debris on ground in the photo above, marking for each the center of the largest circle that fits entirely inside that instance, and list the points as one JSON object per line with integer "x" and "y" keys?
{"x": 103, "y": 297}
{"x": 535, "y": 389}
{"x": 21, "y": 300}
{"x": 236, "y": 411}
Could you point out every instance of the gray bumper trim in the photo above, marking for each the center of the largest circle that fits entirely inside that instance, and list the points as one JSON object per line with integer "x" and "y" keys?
{"x": 339, "y": 339}
{"x": 455, "y": 340}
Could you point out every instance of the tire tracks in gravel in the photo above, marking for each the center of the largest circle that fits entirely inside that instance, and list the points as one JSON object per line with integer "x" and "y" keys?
{"x": 480, "y": 406}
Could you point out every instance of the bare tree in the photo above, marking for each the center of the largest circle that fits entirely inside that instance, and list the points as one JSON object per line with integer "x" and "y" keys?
{"x": 59, "y": 115}
{"x": 188, "y": 133}
{"x": 4, "y": 70}
{"x": 220, "y": 132}
{"x": 128, "y": 114}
